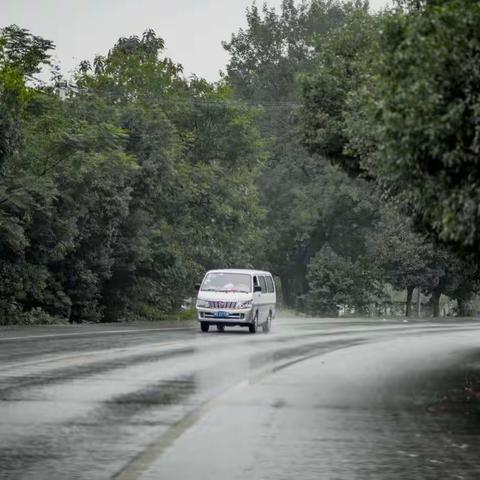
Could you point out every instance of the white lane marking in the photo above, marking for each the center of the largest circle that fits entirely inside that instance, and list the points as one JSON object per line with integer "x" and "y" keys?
{"x": 139, "y": 465}
{"x": 101, "y": 332}
{"x": 136, "y": 467}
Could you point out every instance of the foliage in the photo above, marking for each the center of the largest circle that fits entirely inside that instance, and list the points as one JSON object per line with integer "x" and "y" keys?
{"x": 308, "y": 203}
{"x": 267, "y": 56}
{"x": 429, "y": 81}
{"x": 408, "y": 118}
{"x": 21, "y": 55}
{"x": 392, "y": 99}
{"x": 340, "y": 151}
{"x": 336, "y": 282}
{"x": 343, "y": 65}
{"x": 120, "y": 193}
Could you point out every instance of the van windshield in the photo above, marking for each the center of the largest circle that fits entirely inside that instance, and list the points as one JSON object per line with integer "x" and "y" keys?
{"x": 227, "y": 282}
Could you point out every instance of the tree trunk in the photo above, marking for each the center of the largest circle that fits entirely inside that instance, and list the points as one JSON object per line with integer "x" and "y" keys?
{"x": 436, "y": 303}
{"x": 462, "y": 307}
{"x": 408, "y": 305}
{"x": 287, "y": 292}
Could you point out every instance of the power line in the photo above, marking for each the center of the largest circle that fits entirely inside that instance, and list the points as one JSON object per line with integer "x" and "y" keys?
{"x": 281, "y": 104}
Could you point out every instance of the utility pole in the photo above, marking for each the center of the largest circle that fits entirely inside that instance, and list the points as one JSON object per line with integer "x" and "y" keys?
{"x": 418, "y": 302}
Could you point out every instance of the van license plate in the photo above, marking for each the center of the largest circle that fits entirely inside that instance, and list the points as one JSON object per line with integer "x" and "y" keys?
{"x": 221, "y": 314}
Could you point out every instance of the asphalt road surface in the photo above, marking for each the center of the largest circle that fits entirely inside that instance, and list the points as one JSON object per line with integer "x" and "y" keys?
{"x": 313, "y": 399}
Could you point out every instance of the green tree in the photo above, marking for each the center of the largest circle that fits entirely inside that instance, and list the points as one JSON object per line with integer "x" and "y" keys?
{"x": 401, "y": 256}
{"x": 266, "y": 58}
{"x": 266, "y": 61}
{"x": 367, "y": 110}
{"x": 21, "y": 56}
{"x": 416, "y": 132}
{"x": 194, "y": 202}
{"x": 23, "y": 197}
{"x": 118, "y": 194}
{"x": 343, "y": 68}
{"x": 408, "y": 260}
{"x": 428, "y": 130}
{"x": 336, "y": 282}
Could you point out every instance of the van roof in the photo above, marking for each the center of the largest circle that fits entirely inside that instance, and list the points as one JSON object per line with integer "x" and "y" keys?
{"x": 240, "y": 270}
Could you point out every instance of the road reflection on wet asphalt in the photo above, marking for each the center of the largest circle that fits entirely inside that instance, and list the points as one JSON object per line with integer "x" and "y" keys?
{"x": 315, "y": 398}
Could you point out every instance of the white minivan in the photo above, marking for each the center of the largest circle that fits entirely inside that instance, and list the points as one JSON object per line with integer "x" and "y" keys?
{"x": 236, "y": 297}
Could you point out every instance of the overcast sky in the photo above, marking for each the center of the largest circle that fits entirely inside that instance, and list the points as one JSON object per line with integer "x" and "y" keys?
{"x": 192, "y": 29}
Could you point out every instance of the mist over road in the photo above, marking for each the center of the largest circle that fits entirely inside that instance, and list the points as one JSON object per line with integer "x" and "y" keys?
{"x": 315, "y": 398}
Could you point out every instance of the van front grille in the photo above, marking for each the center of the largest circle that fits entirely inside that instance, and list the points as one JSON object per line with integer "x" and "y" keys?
{"x": 212, "y": 304}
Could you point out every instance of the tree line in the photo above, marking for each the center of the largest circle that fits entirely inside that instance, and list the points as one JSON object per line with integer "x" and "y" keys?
{"x": 372, "y": 168}
{"x": 339, "y": 150}
{"x": 118, "y": 191}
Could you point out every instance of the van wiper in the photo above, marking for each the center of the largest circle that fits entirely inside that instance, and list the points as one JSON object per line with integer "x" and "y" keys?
{"x": 224, "y": 290}
{"x": 233, "y": 290}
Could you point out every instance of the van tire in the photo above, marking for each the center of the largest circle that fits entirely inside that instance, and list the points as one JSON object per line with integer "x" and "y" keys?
{"x": 204, "y": 326}
{"x": 252, "y": 328}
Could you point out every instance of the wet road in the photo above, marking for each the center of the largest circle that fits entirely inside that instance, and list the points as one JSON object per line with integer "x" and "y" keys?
{"x": 314, "y": 399}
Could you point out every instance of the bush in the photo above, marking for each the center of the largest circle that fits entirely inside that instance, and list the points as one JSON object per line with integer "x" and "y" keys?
{"x": 37, "y": 316}
{"x": 335, "y": 281}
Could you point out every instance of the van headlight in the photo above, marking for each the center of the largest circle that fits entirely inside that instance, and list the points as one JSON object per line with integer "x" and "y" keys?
{"x": 247, "y": 304}
{"x": 202, "y": 303}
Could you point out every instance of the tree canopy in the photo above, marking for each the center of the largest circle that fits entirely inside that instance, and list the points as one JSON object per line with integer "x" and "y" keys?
{"x": 120, "y": 192}
{"x": 339, "y": 150}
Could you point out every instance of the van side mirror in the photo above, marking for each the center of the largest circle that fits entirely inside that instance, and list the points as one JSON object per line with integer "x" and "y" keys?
{"x": 197, "y": 287}
{"x": 257, "y": 288}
